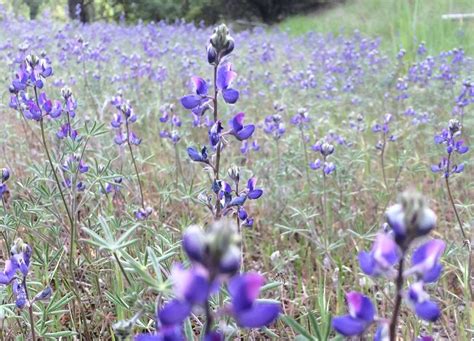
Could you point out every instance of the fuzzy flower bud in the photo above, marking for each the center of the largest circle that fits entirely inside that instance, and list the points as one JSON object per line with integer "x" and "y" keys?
{"x": 234, "y": 173}
{"x": 410, "y": 218}
{"x": 5, "y": 173}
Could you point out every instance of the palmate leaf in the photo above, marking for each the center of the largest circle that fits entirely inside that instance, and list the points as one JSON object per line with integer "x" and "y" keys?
{"x": 109, "y": 242}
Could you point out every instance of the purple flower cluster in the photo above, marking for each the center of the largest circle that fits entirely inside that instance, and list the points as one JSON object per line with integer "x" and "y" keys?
{"x": 170, "y": 118}
{"x": 122, "y": 120}
{"x": 72, "y": 167}
{"x": 325, "y": 149}
{"x": 19, "y": 263}
{"x": 451, "y": 138}
{"x": 409, "y": 220}
{"x": 215, "y": 261}
{"x": 5, "y": 175}
{"x": 384, "y": 130}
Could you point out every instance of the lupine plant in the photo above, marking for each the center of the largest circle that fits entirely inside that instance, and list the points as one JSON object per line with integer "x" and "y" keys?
{"x": 409, "y": 220}
{"x": 227, "y": 199}
{"x": 215, "y": 261}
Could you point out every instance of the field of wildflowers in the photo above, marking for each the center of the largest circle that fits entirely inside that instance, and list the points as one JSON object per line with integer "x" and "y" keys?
{"x": 179, "y": 182}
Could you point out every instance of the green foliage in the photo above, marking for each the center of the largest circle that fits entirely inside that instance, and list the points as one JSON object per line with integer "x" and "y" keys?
{"x": 399, "y": 23}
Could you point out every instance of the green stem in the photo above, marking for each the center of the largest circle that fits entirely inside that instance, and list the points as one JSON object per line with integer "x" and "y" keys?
{"x": 137, "y": 173}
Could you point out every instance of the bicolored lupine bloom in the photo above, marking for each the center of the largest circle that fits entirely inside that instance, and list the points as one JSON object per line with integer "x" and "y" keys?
{"x": 191, "y": 287}
{"x": 450, "y": 137}
{"x": 421, "y": 304}
{"x": 239, "y": 130}
{"x": 381, "y": 259}
{"x": 248, "y": 311}
{"x": 253, "y": 192}
{"x": 361, "y": 315}
{"x": 325, "y": 149}
{"x": 426, "y": 261}
{"x": 199, "y": 101}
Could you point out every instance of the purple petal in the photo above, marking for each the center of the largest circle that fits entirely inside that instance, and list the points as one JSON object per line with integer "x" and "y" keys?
{"x": 191, "y": 101}
{"x": 427, "y": 311}
{"x": 255, "y": 194}
{"x": 244, "y": 289}
{"x": 194, "y": 154}
{"x": 260, "y": 315}
{"x": 245, "y": 133}
{"x": 366, "y": 262}
{"x": 348, "y": 326}
{"x": 237, "y": 122}
{"x": 230, "y": 95}
{"x": 200, "y": 85}
{"x": 360, "y": 306}
{"x": 174, "y": 312}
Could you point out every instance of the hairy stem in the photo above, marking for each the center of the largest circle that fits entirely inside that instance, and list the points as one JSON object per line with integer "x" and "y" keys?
{"x": 398, "y": 300}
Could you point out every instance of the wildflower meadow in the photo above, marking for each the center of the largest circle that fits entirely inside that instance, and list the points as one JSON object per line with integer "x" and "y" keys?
{"x": 175, "y": 181}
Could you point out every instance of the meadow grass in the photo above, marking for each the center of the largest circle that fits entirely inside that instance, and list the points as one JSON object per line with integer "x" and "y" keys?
{"x": 400, "y": 23}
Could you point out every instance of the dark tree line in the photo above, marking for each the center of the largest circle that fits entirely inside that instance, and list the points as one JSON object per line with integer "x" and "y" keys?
{"x": 210, "y": 11}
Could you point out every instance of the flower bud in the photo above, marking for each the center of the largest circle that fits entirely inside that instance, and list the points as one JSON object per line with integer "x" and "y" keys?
{"x": 194, "y": 243}
{"x": 230, "y": 261}
{"x": 221, "y": 42}
{"x": 5, "y": 174}
{"x": 327, "y": 149}
{"x": 410, "y": 218}
{"x": 211, "y": 54}
{"x": 44, "y": 294}
{"x": 32, "y": 60}
{"x": 234, "y": 173}
{"x": 66, "y": 92}
{"x": 454, "y": 126}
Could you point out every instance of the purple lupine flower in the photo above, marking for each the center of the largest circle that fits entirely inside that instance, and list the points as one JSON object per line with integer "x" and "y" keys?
{"x": 253, "y": 192}
{"x": 274, "y": 126}
{"x": 225, "y": 76}
{"x": 248, "y": 311}
{"x": 425, "y": 261}
{"x": 20, "y": 294}
{"x": 301, "y": 118}
{"x": 201, "y": 156}
{"x": 360, "y": 317}
{"x": 143, "y": 213}
{"x": 381, "y": 259}
{"x": 419, "y": 300}
{"x": 215, "y": 133}
{"x": 240, "y": 131}
{"x": 450, "y": 137}
{"x": 44, "y": 294}
{"x": 66, "y": 131}
{"x": 198, "y": 100}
